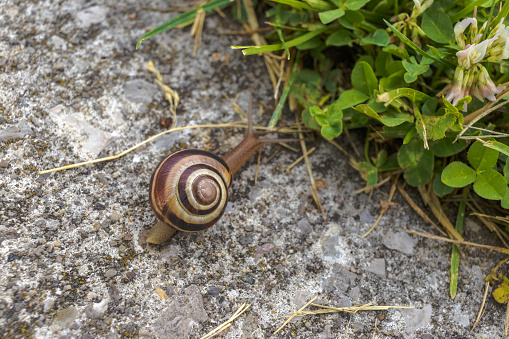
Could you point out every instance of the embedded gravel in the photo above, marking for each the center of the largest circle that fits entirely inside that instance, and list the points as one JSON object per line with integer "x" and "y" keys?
{"x": 73, "y": 257}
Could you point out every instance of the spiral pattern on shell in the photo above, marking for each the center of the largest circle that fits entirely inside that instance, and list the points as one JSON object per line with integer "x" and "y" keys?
{"x": 189, "y": 190}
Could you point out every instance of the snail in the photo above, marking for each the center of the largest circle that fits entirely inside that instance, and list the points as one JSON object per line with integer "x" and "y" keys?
{"x": 189, "y": 188}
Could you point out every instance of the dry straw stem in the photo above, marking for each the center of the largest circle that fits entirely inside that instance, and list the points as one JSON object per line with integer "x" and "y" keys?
{"x": 285, "y": 145}
{"x": 197, "y": 29}
{"x": 314, "y": 191}
{"x": 352, "y": 309}
{"x": 241, "y": 124}
{"x": 335, "y": 144}
{"x": 416, "y": 208}
{"x": 494, "y": 135}
{"x": 377, "y": 330}
{"x": 349, "y": 136}
{"x": 473, "y": 117}
{"x": 257, "y": 167}
{"x": 227, "y": 323}
{"x": 289, "y": 168}
{"x": 169, "y": 94}
{"x": 370, "y": 188}
{"x": 496, "y": 217}
{"x": 236, "y": 107}
{"x": 430, "y": 199}
{"x": 271, "y": 63}
{"x": 385, "y": 206}
{"x": 460, "y": 242}
{"x": 328, "y": 309}
{"x": 506, "y": 320}
{"x": 474, "y": 206}
{"x": 481, "y": 310}
{"x": 281, "y": 75}
{"x": 486, "y": 289}
{"x": 294, "y": 315}
{"x": 113, "y": 157}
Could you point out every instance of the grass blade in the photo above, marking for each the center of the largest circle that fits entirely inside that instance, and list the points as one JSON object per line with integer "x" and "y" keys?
{"x": 467, "y": 10}
{"x": 279, "y": 109}
{"x": 295, "y": 4}
{"x": 276, "y": 47}
{"x": 503, "y": 12}
{"x": 279, "y": 32}
{"x": 182, "y": 18}
{"x": 299, "y": 29}
{"x": 416, "y": 48}
{"x": 455, "y": 255}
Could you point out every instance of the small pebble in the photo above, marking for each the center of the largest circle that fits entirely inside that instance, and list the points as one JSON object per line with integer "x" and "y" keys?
{"x": 38, "y": 251}
{"x": 265, "y": 249}
{"x": 110, "y": 273}
{"x": 280, "y": 268}
{"x": 399, "y": 241}
{"x": 354, "y": 294}
{"x": 130, "y": 275}
{"x": 304, "y": 226}
{"x": 249, "y": 279}
{"x": 139, "y": 90}
{"x": 377, "y": 267}
{"x": 40, "y": 223}
{"x": 213, "y": 291}
{"x": 144, "y": 333}
{"x": 48, "y": 304}
{"x": 64, "y": 319}
{"x": 100, "y": 206}
{"x": 161, "y": 293}
{"x": 115, "y": 216}
{"x": 142, "y": 238}
{"x": 91, "y": 16}
{"x": 246, "y": 239}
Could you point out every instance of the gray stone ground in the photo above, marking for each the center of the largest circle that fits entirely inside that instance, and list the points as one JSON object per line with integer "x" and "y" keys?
{"x": 72, "y": 256}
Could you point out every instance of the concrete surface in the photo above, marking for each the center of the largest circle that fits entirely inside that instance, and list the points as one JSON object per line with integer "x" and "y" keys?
{"x": 72, "y": 256}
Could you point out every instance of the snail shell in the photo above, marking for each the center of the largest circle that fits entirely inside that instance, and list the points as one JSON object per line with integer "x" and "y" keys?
{"x": 189, "y": 190}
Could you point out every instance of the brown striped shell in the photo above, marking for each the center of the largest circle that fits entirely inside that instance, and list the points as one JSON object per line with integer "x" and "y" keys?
{"x": 189, "y": 190}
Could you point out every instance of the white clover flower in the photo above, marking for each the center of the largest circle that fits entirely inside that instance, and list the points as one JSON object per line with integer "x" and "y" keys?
{"x": 456, "y": 90}
{"x": 498, "y": 28}
{"x": 417, "y": 5}
{"x": 420, "y": 7}
{"x": 500, "y": 49}
{"x": 473, "y": 54}
{"x": 505, "y": 52}
{"x": 471, "y": 77}
{"x": 460, "y": 27}
{"x": 487, "y": 86}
